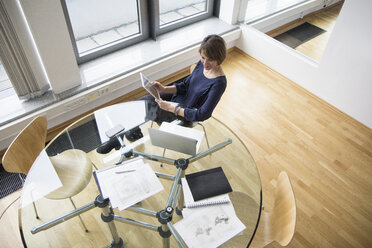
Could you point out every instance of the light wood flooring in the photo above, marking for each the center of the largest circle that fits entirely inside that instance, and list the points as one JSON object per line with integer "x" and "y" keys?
{"x": 327, "y": 154}
{"x": 326, "y": 19}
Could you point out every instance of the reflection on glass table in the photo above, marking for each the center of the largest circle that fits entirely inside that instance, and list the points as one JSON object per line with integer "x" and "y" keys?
{"x": 87, "y": 134}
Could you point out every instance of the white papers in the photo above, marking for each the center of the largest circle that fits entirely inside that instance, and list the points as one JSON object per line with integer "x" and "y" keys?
{"x": 128, "y": 183}
{"x": 189, "y": 200}
{"x": 146, "y": 83}
{"x": 129, "y": 115}
{"x": 183, "y": 131}
{"x": 209, "y": 226}
{"x": 40, "y": 181}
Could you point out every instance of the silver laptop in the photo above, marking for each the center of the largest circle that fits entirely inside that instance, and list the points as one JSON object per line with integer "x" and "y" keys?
{"x": 173, "y": 141}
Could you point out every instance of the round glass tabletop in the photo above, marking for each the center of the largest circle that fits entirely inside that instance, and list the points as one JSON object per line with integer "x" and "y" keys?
{"x": 61, "y": 181}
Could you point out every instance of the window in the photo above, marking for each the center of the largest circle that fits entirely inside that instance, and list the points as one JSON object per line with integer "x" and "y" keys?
{"x": 175, "y": 14}
{"x": 100, "y": 27}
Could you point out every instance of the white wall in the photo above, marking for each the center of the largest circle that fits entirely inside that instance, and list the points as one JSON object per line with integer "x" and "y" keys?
{"x": 343, "y": 77}
{"x": 229, "y": 10}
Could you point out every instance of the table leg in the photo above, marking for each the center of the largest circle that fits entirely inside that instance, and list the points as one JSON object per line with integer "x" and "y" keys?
{"x": 108, "y": 217}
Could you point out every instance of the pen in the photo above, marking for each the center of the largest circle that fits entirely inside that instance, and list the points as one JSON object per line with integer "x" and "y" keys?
{"x": 119, "y": 172}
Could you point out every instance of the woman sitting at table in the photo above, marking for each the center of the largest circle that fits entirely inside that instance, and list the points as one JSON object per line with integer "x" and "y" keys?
{"x": 199, "y": 93}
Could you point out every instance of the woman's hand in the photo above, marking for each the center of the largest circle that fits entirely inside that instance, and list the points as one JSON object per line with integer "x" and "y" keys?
{"x": 164, "y": 89}
{"x": 158, "y": 86}
{"x": 165, "y": 105}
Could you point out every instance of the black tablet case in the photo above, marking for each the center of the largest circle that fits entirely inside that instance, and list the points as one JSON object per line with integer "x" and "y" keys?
{"x": 208, "y": 183}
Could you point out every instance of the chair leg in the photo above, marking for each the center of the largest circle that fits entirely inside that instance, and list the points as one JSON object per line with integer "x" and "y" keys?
{"x": 205, "y": 132}
{"x": 33, "y": 203}
{"x": 37, "y": 215}
{"x": 95, "y": 167}
{"x": 82, "y": 222}
{"x": 161, "y": 165}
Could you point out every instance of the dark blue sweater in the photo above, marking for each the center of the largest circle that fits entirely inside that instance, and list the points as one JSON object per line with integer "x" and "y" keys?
{"x": 199, "y": 94}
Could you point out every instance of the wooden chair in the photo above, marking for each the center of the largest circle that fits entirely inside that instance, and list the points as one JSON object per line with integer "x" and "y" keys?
{"x": 25, "y": 148}
{"x": 73, "y": 166}
{"x": 279, "y": 224}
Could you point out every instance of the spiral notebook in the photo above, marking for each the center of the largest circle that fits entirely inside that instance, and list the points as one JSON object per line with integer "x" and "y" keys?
{"x": 211, "y": 201}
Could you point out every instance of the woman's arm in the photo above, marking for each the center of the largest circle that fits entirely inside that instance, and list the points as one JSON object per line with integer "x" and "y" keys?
{"x": 172, "y": 89}
{"x": 203, "y": 112}
{"x": 177, "y": 110}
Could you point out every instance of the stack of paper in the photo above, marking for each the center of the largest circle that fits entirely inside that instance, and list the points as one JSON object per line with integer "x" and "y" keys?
{"x": 128, "y": 183}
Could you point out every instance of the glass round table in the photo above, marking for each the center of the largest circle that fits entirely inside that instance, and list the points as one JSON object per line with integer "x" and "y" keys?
{"x": 65, "y": 186}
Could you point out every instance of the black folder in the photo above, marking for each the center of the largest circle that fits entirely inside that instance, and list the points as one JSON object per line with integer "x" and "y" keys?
{"x": 208, "y": 183}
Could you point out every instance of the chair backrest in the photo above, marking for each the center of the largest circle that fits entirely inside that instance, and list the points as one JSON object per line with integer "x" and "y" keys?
{"x": 74, "y": 169}
{"x": 279, "y": 224}
{"x": 283, "y": 215}
{"x": 25, "y": 148}
{"x": 192, "y": 67}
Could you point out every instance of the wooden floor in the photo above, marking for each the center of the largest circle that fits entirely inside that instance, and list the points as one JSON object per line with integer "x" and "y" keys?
{"x": 326, "y": 19}
{"x": 327, "y": 154}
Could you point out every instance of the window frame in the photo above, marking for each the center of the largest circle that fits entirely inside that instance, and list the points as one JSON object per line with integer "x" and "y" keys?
{"x": 179, "y": 23}
{"x": 149, "y": 25}
{"x": 144, "y": 33}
